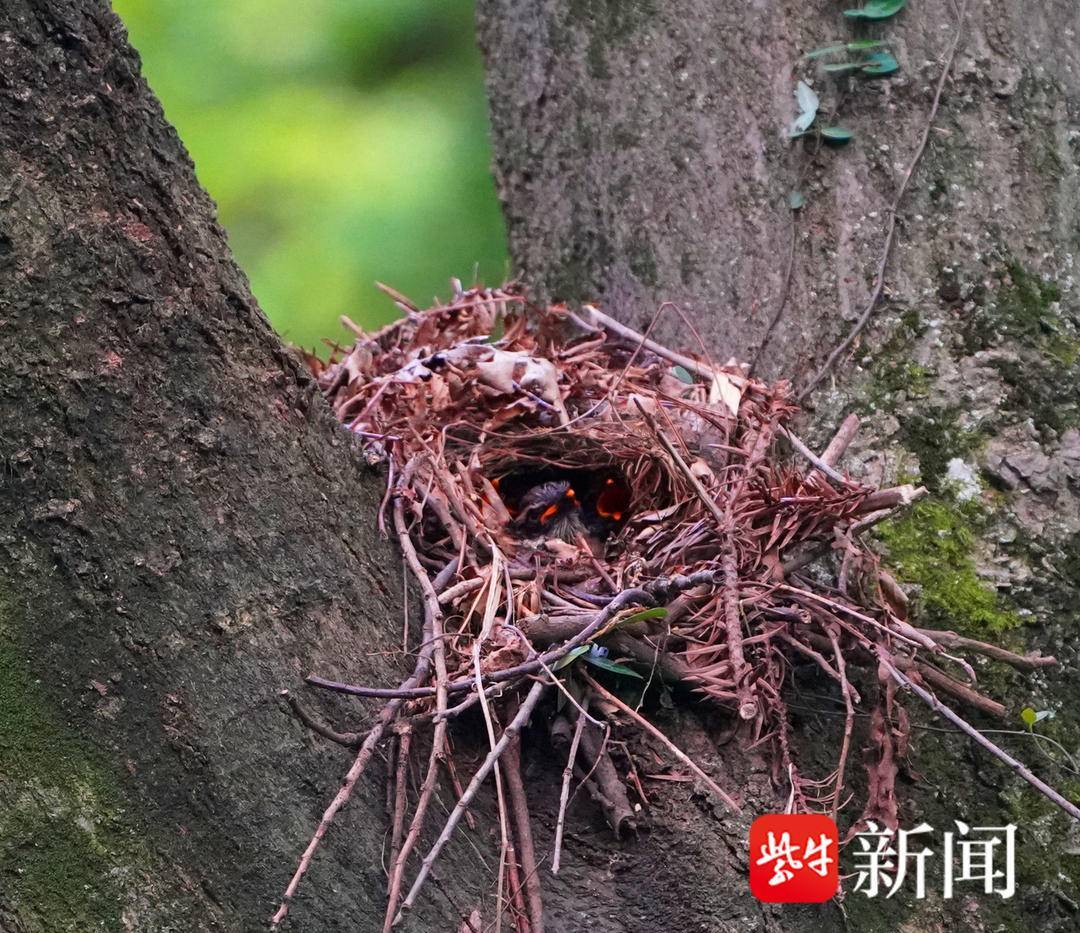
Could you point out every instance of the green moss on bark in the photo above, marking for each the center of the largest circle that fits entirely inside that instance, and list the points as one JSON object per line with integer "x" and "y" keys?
{"x": 932, "y": 546}
{"x": 1025, "y": 316}
{"x": 63, "y": 847}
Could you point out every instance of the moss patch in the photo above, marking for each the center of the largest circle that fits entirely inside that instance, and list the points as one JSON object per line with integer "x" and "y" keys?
{"x": 1043, "y": 388}
{"x": 1043, "y": 379}
{"x": 932, "y": 547}
{"x": 1022, "y": 306}
{"x": 62, "y": 846}
{"x": 895, "y": 374}
{"x": 936, "y": 437}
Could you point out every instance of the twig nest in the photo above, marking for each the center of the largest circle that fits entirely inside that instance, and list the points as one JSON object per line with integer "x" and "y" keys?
{"x": 557, "y": 460}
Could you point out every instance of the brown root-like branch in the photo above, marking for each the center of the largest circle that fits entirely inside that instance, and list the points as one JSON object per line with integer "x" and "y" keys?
{"x": 616, "y": 805}
{"x": 941, "y": 681}
{"x": 840, "y": 442}
{"x": 964, "y": 726}
{"x": 748, "y": 706}
{"x": 345, "y": 739}
{"x": 1022, "y": 662}
{"x": 515, "y": 726}
{"x": 849, "y": 720}
{"x": 671, "y": 746}
{"x": 519, "y": 811}
{"x": 401, "y": 772}
{"x": 564, "y": 794}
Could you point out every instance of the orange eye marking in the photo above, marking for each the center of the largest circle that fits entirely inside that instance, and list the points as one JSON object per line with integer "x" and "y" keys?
{"x": 548, "y": 513}
{"x": 570, "y": 494}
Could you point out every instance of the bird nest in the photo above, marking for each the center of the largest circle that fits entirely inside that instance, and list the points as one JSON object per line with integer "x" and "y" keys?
{"x": 590, "y": 514}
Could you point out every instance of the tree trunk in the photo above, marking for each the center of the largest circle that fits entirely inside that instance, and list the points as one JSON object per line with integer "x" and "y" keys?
{"x": 642, "y": 156}
{"x": 185, "y": 531}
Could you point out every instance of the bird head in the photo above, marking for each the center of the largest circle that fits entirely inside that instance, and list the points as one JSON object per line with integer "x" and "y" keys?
{"x": 551, "y": 510}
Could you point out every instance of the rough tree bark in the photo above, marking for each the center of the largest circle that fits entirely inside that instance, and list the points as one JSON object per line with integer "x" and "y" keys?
{"x": 184, "y": 531}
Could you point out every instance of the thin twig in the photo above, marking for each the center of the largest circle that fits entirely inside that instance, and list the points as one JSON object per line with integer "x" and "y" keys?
{"x": 964, "y": 726}
{"x": 671, "y": 746}
{"x": 519, "y": 809}
{"x": 942, "y": 681}
{"x": 702, "y": 493}
{"x": 400, "y": 799}
{"x": 340, "y": 799}
{"x": 346, "y": 739}
{"x": 1019, "y": 661}
{"x": 598, "y": 318}
{"x": 517, "y": 901}
{"x": 564, "y": 795}
{"x": 600, "y": 620}
{"x": 785, "y": 290}
{"x": 433, "y": 625}
{"x": 490, "y": 609}
{"x": 455, "y": 782}
{"x": 849, "y": 721}
{"x": 817, "y": 461}
{"x": 482, "y": 772}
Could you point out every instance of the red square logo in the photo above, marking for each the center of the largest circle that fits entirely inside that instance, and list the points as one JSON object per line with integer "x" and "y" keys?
{"x": 793, "y": 858}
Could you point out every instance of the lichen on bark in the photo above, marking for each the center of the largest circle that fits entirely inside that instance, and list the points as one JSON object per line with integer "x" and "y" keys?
{"x": 63, "y": 843}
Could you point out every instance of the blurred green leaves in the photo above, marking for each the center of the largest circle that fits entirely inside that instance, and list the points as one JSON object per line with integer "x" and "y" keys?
{"x": 343, "y": 140}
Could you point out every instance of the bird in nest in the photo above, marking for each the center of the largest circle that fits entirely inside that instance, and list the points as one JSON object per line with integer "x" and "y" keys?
{"x": 555, "y": 509}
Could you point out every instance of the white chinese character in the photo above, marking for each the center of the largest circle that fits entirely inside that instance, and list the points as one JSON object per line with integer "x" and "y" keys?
{"x": 817, "y": 854}
{"x": 977, "y": 859}
{"x": 785, "y": 856}
{"x": 884, "y": 864}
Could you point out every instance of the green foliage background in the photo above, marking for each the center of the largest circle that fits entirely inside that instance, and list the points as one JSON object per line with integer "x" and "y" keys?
{"x": 344, "y": 141}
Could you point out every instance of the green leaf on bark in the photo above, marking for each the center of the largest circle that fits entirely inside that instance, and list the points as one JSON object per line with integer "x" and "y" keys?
{"x": 837, "y": 134}
{"x": 613, "y": 666}
{"x": 570, "y": 657}
{"x": 880, "y": 63}
{"x": 877, "y": 9}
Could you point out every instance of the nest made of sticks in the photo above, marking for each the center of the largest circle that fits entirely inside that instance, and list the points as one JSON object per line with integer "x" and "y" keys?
{"x": 676, "y": 521}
